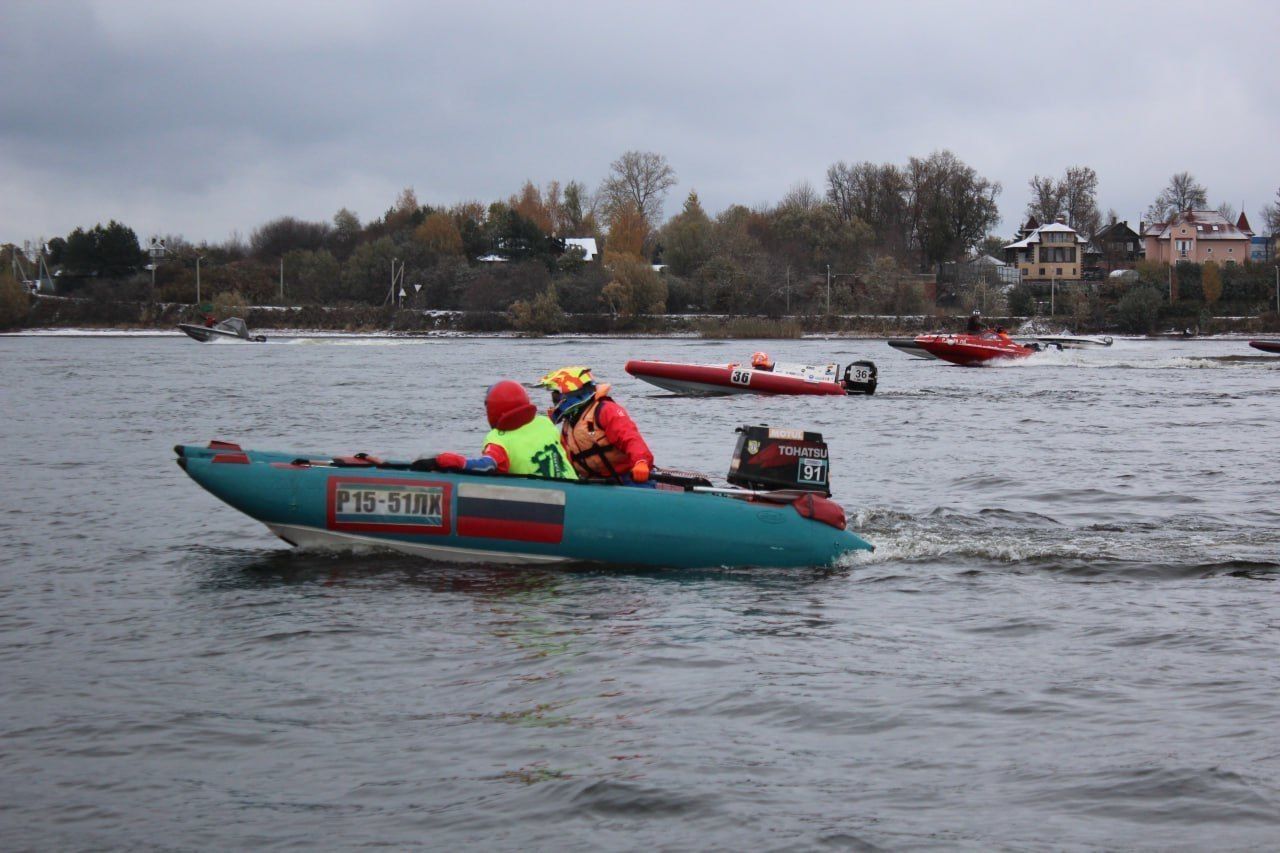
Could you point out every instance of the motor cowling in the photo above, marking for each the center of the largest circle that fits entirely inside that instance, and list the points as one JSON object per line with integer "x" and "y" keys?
{"x": 860, "y": 378}
{"x": 772, "y": 458}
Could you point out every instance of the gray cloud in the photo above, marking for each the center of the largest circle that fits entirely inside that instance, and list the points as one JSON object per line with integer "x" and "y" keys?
{"x": 204, "y": 119}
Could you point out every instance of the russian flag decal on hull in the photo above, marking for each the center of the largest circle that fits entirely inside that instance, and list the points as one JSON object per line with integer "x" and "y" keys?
{"x": 513, "y": 513}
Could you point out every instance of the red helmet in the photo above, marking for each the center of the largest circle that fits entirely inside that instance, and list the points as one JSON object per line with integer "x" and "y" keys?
{"x": 761, "y": 360}
{"x": 508, "y": 406}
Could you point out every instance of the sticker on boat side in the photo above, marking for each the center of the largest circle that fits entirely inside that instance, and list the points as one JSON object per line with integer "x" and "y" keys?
{"x": 388, "y": 505}
{"x": 512, "y": 513}
{"x": 740, "y": 377}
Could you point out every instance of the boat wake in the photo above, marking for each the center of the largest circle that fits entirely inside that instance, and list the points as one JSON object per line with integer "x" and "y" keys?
{"x": 335, "y": 341}
{"x": 1095, "y": 360}
{"x": 1197, "y": 363}
{"x": 997, "y": 540}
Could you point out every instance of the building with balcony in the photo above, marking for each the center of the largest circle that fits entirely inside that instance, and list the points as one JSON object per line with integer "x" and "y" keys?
{"x": 1198, "y": 236}
{"x": 1118, "y": 245}
{"x": 1053, "y": 252}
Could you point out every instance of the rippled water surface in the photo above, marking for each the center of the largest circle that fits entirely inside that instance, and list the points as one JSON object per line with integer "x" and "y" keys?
{"x": 1066, "y": 639}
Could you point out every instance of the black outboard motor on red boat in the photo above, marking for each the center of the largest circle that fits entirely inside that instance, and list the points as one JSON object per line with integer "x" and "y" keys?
{"x": 772, "y": 458}
{"x": 860, "y": 378}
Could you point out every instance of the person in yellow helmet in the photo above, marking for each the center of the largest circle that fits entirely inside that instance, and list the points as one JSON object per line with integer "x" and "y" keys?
{"x": 602, "y": 441}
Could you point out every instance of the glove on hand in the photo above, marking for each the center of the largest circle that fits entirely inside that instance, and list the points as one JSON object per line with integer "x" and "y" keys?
{"x": 640, "y": 472}
{"x": 451, "y": 461}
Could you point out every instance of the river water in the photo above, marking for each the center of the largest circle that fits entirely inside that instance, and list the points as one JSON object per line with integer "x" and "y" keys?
{"x": 1066, "y": 639}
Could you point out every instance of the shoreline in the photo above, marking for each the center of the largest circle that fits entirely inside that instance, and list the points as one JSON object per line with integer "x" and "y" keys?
{"x": 68, "y": 316}
{"x": 294, "y": 333}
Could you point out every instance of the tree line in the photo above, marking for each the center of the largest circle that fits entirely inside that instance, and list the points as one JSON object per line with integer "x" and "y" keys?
{"x": 857, "y": 243}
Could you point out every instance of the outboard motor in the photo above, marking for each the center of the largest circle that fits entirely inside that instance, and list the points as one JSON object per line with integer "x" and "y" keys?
{"x": 860, "y": 378}
{"x": 771, "y": 458}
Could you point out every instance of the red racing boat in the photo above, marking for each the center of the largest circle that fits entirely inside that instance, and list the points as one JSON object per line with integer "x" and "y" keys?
{"x": 1266, "y": 346}
{"x": 708, "y": 379}
{"x": 972, "y": 350}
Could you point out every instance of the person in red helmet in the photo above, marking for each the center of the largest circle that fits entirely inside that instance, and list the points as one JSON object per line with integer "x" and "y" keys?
{"x": 521, "y": 441}
{"x": 761, "y": 361}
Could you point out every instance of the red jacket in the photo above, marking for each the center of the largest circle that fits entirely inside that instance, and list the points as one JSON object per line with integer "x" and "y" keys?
{"x": 622, "y": 432}
{"x": 602, "y": 441}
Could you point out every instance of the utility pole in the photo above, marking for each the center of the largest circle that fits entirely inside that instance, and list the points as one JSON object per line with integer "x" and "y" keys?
{"x": 828, "y": 290}
{"x": 157, "y": 252}
{"x": 788, "y": 290}
{"x": 397, "y": 278}
{"x": 198, "y": 258}
{"x": 282, "y": 281}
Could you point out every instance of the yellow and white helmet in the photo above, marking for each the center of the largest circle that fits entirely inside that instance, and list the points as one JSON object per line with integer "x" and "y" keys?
{"x": 567, "y": 380}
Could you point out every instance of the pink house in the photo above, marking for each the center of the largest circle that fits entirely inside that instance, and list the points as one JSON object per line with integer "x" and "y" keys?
{"x": 1197, "y": 236}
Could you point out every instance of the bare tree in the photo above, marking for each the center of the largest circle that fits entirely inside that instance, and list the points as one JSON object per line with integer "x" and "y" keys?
{"x": 801, "y": 196}
{"x": 554, "y": 202}
{"x": 950, "y": 205}
{"x": 638, "y": 179}
{"x": 577, "y": 211}
{"x": 1271, "y": 216}
{"x": 1228, "y": 211}
{"x": 841, "y": 188}
{"x": 875, "y": 195}
{"x": 1080, "y": 199}
{"x": 1073, "y": 197}
{"x": 1182, "y": 193}
{"x": 1046, "y": 199}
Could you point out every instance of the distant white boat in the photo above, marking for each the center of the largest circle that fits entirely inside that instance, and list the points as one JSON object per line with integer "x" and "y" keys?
{"x": 1067, "y": 341}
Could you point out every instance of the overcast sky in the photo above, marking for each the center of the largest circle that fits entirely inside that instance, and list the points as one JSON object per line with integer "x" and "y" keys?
{"x": 209, "y": 118}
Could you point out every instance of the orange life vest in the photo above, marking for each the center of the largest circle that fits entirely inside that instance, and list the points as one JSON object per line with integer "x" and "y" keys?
{"x": 589, "y": 449}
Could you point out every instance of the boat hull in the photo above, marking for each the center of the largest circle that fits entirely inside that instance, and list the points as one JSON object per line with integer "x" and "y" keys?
{"x": 971, "y": 350}
{"x": 458, "y": 517}
{"x": 1068, "y": 341}
{"x": 211, "y": 334}
{"x": 712, "y": 379}
{"x": 910, "y": 347}
{"x": 1266, "y": 346}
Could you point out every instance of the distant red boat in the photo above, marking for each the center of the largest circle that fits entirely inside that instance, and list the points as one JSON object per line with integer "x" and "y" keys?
{"x": 1266, "y": 346}
{"x": 972, "y": 350}
{"x": 709, "y": 379}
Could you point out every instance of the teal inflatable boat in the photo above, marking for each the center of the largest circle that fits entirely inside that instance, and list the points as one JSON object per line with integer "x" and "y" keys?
{"x": 318, "y": 500}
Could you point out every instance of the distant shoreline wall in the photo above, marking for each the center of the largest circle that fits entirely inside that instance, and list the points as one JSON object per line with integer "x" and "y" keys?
{"x": 61, "y": 312}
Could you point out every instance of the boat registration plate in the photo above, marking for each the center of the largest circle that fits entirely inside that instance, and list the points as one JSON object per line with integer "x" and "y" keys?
{"x": 385, "y": 505}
